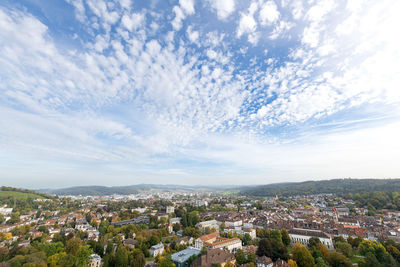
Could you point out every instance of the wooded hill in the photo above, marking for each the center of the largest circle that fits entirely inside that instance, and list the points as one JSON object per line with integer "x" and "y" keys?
{"x": 337, "y": 186}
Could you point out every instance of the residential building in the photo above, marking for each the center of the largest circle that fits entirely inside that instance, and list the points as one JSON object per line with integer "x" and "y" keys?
{"x": 181, "y": 258}
{"x": 213, "y": 241}
{"x": 169, "y": 209}
{"x": 130, "y": 242}
{"x": 303, "y": 235}
{"x": 175, "y": 220}
{"x": 264, "y": 261}
{"x": 212, "y": 224}
{"x": 135, "y": 221}
{"x": 95, "y": 260}
{"x": 157, "y": 250}
{"x": 213, "y": 257}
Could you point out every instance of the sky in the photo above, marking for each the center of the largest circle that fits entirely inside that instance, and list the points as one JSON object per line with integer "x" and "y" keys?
{"x": 192, "y": 92}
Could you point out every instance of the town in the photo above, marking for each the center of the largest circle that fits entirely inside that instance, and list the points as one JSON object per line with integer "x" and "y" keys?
{"x": 196, "y": 229}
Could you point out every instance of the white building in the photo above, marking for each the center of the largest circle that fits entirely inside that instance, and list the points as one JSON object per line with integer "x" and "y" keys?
{"x": 241, "y": 231}
{"x": 95, "y": 260}
{"x": 212, "y": 224}
{"x": 5, "y": 211}
{"x": 200, "y": 203}
{"x": 170, "y": 209}
{"x": 175, "y": 220}
{"x": 234, "y": 223}
{"x": 302, "y": 236}
{"x": 157, "y": 250}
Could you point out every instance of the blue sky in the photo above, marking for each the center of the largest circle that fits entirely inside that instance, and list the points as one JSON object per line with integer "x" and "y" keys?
{"x": 197, "y": 92}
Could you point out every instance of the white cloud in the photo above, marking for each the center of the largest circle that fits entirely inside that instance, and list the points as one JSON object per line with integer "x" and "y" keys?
{"x": 187, "y": 6}
{"x": 192, "y": 35}
{"x": 318, "y": 11}
{"x": 224, "y": 8}
{"x": 269, "y": 13}
{"x": 133, "y": 21}
{"x": 247, "y": 24}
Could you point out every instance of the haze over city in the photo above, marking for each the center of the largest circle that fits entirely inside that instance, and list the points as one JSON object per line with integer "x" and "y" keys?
{"x": 197, "y": 92}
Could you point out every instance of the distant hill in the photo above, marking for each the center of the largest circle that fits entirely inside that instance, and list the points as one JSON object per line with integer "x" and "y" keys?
{"x": 15, "y": 193}
{"x": 126, "y": 190}
{"x": 338, "y": 186}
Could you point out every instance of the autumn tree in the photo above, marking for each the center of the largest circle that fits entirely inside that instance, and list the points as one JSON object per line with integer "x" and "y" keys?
{"x": 302, "y": 256}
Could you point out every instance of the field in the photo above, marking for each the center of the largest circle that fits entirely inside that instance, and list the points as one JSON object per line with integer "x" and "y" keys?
{"x": 18, "y": 195}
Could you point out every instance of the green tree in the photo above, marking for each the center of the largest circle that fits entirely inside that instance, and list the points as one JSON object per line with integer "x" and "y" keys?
{"x": 240, "y": 257}
{"x": 53, "y": 260}
{"x": 320, "y": 262}
{"x": 275, "y": 235}
{"x": 73, "y": 246}
{"x": 83, "y": 255}
{"x": 285, "y": 237}
{"x": 344, "y": 248}
{"x": 394, "y": 252}
{"x": 166, "y": 262}
{"x": 121, "y": 256}
{"x": 246, "y": 239}
{"x": 251, "y": 257}
{"x": 67, "y": 260}
{"x": 338, "y": 260}
{"x": 138, "y": 259}
{"x": 370, "y": 261}
{"x": 264, "y": 248}
{"x": 302, "y": 256}
{"x": 313, "y": 242}
{"x": 52, "y": 248}
{"x": 193, "y": 218}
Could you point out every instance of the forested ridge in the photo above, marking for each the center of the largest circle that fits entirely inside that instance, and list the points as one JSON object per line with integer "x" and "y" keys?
{"x": 336, "y": 186}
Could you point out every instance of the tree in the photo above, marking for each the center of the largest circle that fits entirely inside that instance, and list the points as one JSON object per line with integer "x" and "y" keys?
{"x": 193, "y": 218}
{"x": 191, "y": 231}
{"x": 251, "y": 257}
{"x": 165, "y": 262}
{"x": 246, "y": 239}
{"x": 279, "y": 251}
{"x": 73, "y": 246}
{"x": 53, "y": 260}
{"x": 83, "y": 255}
{"x": 240, "y": 257}
{"x": 264, "y": 248}
{"x": 302, "y": 256}
{"x": 285, "y": 237}
{"x": 313, "y": 241}
{"x": 320, "y": 262}
{"x": 43, "y": 229}
{"x": 375, "y": 248}
{"x": 369, "y": 261}
{"x": 121, "y": 256}
{"x": 292, "y": 263}
{"x": 138, "y": 259}
{"x": 52, "y": 248}
{"x": 324, "y": 251}
{"x": 394, "y": 252}
{"x": 338, "y": 260}
{"x": 67, "y": 260}
{"x": 344, "y": 248}
{"x": 4, "y": 253}
{"x": 275, "y": 235}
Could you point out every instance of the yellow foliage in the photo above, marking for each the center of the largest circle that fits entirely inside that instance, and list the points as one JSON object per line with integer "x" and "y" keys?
{"x": 292, "y": 263}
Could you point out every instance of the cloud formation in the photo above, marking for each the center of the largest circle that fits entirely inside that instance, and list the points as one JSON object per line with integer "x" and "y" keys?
{"x": 217, "y": 89}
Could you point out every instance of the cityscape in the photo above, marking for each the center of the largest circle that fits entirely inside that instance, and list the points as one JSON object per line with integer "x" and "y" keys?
{"x": 182, "y": 227}
{"x": 199, "y": 133}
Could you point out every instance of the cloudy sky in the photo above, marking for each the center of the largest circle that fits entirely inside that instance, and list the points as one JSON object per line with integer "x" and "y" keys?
{"x": 198, "y": 92}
